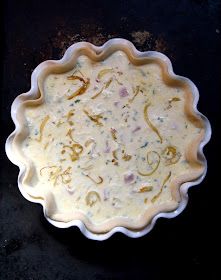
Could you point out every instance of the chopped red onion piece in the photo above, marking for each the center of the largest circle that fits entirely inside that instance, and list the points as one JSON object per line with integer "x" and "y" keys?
{"x": 106, "y": 194}
{"x": 129, "y": 178}
{"x": 136, "y": 129}
{"x": 113, "y": 130}
{"x": 123, "y": 92}
{"x": 107, "y": 148}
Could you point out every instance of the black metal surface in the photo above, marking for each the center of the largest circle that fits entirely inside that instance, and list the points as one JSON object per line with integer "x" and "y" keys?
{"x": 189, "y": 33}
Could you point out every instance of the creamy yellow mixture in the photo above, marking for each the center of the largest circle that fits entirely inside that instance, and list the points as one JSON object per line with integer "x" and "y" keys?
{"x": 108, "y": 139}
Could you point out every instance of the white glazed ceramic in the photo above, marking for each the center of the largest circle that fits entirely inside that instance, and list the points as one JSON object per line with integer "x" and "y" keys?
{"x": 70, "y": 55}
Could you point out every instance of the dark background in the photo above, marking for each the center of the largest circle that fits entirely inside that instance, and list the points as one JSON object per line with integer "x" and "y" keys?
{"x": 189, "y": 33}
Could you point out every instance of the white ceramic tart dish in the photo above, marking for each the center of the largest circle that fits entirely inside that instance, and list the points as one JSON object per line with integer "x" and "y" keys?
{"x": 108, "y": 139}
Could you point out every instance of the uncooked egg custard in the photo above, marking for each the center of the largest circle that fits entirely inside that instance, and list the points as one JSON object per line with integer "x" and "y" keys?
{"x": 111, "y": 143}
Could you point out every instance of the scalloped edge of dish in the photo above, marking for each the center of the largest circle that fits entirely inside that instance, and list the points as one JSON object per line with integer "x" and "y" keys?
{"x": 113, "y": 43}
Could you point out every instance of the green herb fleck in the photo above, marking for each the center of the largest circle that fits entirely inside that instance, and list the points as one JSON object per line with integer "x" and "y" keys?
{"x": 146, "y": 143}
{"x": 160, "y": 119}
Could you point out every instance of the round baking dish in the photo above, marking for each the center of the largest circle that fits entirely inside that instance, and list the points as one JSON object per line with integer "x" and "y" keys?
{"x": 68, "y": 58}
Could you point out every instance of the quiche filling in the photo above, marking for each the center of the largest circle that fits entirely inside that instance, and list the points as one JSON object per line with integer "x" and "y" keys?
{"x": 107, "y": 140}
